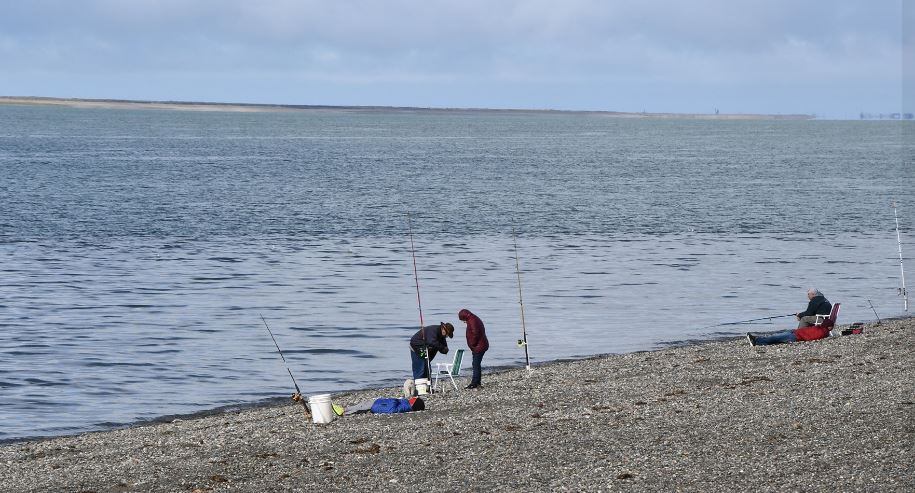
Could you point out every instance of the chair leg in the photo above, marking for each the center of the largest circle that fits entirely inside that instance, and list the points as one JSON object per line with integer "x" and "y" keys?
{"x": 452, "y": 381}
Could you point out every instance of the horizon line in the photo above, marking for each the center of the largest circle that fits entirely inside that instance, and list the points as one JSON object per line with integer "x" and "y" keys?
{"x": 229, "y": 106}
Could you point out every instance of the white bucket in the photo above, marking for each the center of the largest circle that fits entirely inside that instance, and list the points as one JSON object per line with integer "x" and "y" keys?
{"x": 422, "y": 386}
{"x": 321, "y": 408}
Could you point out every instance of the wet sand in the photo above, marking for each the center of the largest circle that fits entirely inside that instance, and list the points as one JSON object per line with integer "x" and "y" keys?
{"x": 831, "y": 415}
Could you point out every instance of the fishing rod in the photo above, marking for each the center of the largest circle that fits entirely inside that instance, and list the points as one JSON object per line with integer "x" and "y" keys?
{"x": 746, "y": 321}
{"x": 523, "y": 341}
{"x": 419, "y": 302}
{"x": 298, "y": 393}
{"x": 902, "y": 291}
{"x": 875, "y": 311}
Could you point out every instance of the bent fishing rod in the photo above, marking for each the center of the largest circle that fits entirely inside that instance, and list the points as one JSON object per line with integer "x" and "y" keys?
{"x": 298, "y": 393}
{"x": 523, "y": 340}
{"x": 746, "y": 321}
{"x": 419, "y": 302}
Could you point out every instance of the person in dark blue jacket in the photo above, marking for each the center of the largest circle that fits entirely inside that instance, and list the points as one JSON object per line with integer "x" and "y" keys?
{"x": 818, "y": 305}
{"x": 431, "y": 338}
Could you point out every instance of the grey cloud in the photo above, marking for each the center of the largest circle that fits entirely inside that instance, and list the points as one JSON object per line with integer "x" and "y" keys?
{"x": 535, "y": 42}
{"x": 398, "y": 25}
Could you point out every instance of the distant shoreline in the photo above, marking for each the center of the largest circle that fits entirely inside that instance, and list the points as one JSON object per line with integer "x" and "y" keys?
{"x": 256, "y": 108}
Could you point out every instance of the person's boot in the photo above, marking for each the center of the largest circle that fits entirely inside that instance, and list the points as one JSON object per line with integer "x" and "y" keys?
{"x": 751, "y": 339}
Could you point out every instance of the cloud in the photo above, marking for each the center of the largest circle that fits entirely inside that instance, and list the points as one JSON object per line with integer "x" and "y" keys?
{"x": 537, "y": 42}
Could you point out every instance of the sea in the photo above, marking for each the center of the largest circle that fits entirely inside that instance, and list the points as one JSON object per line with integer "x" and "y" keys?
{"x": 140, "y": 249}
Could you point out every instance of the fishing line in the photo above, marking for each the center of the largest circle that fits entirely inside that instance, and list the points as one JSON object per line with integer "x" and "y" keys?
{"x": 746, "y": 321}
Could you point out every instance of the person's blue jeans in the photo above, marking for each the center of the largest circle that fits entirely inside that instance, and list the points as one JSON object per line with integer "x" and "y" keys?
{"x": 419, "y": 365}
{"x": 477, "y": 368}
{"x": 776, "y": 338}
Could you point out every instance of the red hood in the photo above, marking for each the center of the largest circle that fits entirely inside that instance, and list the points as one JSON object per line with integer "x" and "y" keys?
{"x": 476, "y": 333}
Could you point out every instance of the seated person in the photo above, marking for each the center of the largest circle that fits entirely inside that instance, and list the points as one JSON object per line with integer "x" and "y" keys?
{"x": 818, "y": 305}
{"x": 806, "y": 330}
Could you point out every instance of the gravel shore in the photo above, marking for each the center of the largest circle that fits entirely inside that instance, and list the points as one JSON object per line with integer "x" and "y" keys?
{"x": 831, "y": 415}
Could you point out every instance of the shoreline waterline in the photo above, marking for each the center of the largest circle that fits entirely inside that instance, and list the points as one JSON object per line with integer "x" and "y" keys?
{"x": 701, "y": 416}
{"x": 278, "y": 401}
{"x": 145, "y": 331}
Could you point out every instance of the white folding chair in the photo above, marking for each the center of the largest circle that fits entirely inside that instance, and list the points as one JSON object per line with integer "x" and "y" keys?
{"x": 450, "y": 370}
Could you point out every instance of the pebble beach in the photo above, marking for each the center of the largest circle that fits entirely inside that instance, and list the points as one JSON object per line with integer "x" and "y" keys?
{"x": 830, "y": 415}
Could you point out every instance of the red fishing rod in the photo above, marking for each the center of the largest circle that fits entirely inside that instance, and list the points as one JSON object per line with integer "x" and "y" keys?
{"x": 419, "y": 301}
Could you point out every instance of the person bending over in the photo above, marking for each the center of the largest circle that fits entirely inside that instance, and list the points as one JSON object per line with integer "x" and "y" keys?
{"x": 433, "y": 339}
{"x": 476, "y": 341}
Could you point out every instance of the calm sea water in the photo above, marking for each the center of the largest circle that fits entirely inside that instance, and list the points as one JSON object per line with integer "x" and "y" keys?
{"x": 138, "y": 249}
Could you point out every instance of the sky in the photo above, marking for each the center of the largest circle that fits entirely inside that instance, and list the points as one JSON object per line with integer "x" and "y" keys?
{"x": 833, "y": 58}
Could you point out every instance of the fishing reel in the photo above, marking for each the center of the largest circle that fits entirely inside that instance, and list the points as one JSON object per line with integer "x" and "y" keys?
{"x": 522, "y": 343}
{"x": 300, "y": 398}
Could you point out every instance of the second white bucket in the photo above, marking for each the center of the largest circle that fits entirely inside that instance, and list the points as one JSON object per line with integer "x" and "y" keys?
{"x": 321, "y": 409}
{"x": 422, "y": 386}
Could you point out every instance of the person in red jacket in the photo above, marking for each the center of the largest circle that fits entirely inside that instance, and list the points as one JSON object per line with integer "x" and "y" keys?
{"x": 476, "y": 341}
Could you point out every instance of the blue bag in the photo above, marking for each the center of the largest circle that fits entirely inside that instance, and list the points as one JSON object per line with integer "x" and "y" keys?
{"x": 391, "y": 406}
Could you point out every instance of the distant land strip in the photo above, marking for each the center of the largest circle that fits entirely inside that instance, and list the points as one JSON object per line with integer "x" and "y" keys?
{"x": 253, "y": 107}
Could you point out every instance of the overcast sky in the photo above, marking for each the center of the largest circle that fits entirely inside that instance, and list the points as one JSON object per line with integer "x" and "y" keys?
{"x": 830, "y": 57}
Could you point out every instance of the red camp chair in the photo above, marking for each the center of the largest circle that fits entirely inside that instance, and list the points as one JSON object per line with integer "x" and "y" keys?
{"x": 821, "y": 328}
